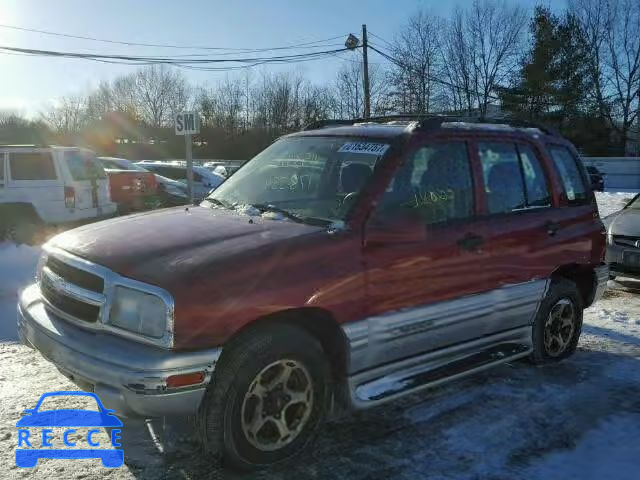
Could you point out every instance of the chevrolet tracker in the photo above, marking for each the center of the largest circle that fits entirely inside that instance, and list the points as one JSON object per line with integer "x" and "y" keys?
{"x": 344, "y": 266}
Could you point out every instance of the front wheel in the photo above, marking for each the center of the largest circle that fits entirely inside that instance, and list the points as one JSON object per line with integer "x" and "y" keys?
{"x": 267, "y": 399}
{"x": 558, "y": 324}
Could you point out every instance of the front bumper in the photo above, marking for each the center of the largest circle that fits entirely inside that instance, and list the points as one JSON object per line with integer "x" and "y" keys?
{"x": 614, "y": 258}
{"x": 601, "y": 279}
{"x": 129, "y": 377}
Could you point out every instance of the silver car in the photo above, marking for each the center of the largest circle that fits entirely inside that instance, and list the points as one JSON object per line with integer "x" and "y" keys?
{"x": 623, "y": 240}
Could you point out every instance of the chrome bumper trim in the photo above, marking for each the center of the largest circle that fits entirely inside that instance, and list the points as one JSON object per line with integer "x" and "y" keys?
{"x": 128, "y": 377}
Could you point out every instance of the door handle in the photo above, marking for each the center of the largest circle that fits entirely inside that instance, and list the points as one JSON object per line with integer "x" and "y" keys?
{"x": 471, "y": 241}
{"x": 552, "y": 228}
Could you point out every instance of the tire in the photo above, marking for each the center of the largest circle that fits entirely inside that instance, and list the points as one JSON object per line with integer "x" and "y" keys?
{"x": 257, "y": 380}
{"x": 553, "y": 340}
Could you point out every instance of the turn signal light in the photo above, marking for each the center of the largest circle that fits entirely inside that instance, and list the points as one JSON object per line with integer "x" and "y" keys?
{"x": 185, "y": 379}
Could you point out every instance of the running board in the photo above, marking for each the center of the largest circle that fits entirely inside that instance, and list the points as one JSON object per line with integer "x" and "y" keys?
{"x": 430, "y": 373}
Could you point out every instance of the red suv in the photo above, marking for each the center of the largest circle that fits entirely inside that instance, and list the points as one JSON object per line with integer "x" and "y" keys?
{"x": 345, "y": 265}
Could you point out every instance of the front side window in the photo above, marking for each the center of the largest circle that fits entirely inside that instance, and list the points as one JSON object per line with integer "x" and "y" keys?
{"x": 309, "y": 177}
{"x": 434, "y": 184}
{"x": 570, "y": 175}
{"x": 32, "y": 166}
{"x": 84, "y": 165}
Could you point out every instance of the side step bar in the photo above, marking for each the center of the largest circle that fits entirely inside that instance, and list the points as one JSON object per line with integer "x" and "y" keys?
{"x": 369, "y": 389}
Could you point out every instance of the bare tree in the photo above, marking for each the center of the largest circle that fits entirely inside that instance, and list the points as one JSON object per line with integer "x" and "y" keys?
{"x": 457, "y": 66}
{"x": 495, "y": 33}
{"x": 349, "y": 92}
{"x": 159, "y": 92}
{"x": 417, "y": 48}
{"x": 68, "y": 115}
{"x": 611, "y": 29}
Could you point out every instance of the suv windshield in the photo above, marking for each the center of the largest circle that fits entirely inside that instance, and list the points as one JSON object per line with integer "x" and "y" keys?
{"x": 309, "y": 177}
{"x": 84, "y": 165}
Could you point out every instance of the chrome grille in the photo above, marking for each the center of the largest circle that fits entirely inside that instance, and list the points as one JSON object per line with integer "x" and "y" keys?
{"x": 626, "y": 241}
{"x": 74, "y": 275}
{"x": 82, "y": 292}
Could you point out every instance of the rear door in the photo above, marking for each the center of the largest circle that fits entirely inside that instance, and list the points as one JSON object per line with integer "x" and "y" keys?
{"x": 518, "y": 229}
{"x": 87, "y": 176}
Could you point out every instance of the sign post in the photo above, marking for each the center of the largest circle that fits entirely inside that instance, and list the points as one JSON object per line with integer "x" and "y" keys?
{"x": 187, "y": 124}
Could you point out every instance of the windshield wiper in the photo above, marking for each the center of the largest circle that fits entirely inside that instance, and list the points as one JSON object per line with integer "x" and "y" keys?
{"x": 220, "y": 203}
{"x": 263, "y": 207}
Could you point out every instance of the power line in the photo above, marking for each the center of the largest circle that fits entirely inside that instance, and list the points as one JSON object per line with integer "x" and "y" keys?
{"x": 159, "y": 45}
{"x": 290, "y": 58}
{"x": 388, "y": 44}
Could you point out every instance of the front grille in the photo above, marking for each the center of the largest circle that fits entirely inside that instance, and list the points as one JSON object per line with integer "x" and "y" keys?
{"x": 70, "y": 306}
{"x": 74, "y": 275}
{"x": 625, "y": 241}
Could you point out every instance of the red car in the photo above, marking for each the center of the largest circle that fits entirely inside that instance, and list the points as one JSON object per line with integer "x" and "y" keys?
{"x": 132, "y": 187}
{"x": 344, "y": 266}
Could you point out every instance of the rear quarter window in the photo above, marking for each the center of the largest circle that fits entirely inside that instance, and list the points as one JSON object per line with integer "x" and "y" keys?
{"x": 32, "y": 166}
{"x": 84, "y": 165}
{"x": 570, "y": 174}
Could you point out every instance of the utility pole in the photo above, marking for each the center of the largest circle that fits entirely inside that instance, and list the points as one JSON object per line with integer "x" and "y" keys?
{"x": 365, "y": 76}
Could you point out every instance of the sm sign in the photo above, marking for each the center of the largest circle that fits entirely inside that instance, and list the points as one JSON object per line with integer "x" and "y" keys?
{"x": 187, "y": 123}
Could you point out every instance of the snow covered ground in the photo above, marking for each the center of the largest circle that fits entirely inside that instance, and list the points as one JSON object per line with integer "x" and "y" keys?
{"x": 579, "y": 419}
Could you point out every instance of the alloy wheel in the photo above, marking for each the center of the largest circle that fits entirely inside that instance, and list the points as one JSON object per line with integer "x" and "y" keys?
{"x": 277, "y": 405}
{"x": 559, "y": 327}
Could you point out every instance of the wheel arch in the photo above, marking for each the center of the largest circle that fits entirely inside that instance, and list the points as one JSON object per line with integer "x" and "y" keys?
{"x": 318, "y": 322}
{"x": 583, "y": 276}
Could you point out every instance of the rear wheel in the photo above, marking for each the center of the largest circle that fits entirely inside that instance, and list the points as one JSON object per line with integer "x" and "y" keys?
{"x": 557, "y": 326}
{"x": 267, "y": 399}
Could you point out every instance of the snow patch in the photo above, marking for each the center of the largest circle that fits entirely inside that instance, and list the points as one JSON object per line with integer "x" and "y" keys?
{"x": 17, "y": 270}
{"x": 249, "y": 210}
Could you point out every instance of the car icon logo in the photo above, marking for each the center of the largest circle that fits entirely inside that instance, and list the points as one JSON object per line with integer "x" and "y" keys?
{"x": 67, "y": 419}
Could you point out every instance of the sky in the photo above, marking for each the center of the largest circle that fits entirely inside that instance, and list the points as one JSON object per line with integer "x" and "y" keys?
{"x": 29, "y": 84}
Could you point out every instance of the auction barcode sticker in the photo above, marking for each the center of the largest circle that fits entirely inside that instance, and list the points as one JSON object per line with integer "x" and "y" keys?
{"x": 364, "y": 147}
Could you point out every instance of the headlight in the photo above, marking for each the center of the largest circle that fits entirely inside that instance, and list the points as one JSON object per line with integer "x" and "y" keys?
{"x": 139, "y": 312}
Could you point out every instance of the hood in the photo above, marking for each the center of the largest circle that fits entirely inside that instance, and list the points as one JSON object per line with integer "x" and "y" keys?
{"x": 625, "y": 222}
{"x": 163, "y": 246}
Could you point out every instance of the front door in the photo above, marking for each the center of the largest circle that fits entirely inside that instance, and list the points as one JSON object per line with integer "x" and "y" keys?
{"x": 424, "y": 256}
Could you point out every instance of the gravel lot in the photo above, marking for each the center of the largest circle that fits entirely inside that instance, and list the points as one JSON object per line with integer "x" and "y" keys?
{"x": 579, "y": 419}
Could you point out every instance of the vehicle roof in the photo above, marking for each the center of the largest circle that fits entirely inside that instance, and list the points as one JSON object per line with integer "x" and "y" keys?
{"x": 395, "y": 126}
{"x": 117, "y": 159}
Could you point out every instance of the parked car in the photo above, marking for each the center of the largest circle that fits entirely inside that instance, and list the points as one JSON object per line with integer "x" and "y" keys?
{"x": 342, "y": 267}
{"x": 132, "y": 187}
{"x": 596, "y": 177}
{"x": 204, "y": 180}
{"x": 43, "y": 187}
{"x": 223, "y": 168}
{"x": 623, "y": 240}
{"x": 170, "y": 192}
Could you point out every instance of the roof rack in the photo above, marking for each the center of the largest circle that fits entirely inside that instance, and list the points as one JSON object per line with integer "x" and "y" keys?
{"x": 430, "y": 122}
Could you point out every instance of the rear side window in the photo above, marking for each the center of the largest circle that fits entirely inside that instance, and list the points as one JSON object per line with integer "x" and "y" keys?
{"x": 513, "y": 178}
{"x": 83, "y": 165}
{"x": 32, "y": 166}
{"x": 535, "y": 182}
{"x": 567, "y": 167}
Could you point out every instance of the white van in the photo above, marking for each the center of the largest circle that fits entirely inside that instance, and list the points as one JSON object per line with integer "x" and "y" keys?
{"x": 50, "y": 185}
